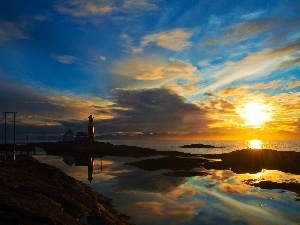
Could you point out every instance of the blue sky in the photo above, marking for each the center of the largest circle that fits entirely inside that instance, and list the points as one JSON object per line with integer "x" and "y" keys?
{"x": 151, "y": 66}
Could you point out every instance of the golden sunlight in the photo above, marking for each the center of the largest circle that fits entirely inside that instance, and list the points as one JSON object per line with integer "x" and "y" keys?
{"x": 255, "y": 144}
{"x": 255, "y": 114}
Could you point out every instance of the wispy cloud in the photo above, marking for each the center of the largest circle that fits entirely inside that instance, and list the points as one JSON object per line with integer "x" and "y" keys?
{"x": 233, "y": 91}
{"x": 242, "y": 31}
{"x": 78, "y": 8}
{"x": 129, "y": 47}
{"x": 65, "y": 59}
{"x": 92, "y": 8}
{"x": 141, "y": 4}
{"x": 11, "y": 30}
{"x": 293, "y": 84}
{"x": 253, "y": 28}
{"x": 39, "y": 17}
{"x": 273, "y": 84}
{"x": 175, "y": 40}
{"x": 151, "y": 68}
{"x": 255, "y": 65}
{"x": 253, "y": 15}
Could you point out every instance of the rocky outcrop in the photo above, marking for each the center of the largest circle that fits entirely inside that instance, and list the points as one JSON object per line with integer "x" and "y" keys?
{"x": 35, "y": 193}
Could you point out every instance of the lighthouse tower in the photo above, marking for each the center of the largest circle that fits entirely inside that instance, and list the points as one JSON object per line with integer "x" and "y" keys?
{"x": 91, "y": 128}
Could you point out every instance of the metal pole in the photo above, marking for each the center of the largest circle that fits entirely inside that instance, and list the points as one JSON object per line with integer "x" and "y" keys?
{"x": 14, "y": 130}
{"x": 27, "y": 145}
{"x": 5, "y": 136}
{"x": 5, "y": 130}
{"x": 14, "y": 135}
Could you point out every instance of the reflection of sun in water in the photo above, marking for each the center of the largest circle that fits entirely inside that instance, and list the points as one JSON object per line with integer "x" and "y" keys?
{"x": 255, "y": 144}
{"x": 255, "y": 114}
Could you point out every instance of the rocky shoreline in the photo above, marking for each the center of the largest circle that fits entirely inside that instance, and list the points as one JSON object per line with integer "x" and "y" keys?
{"x": 36, "y": 193}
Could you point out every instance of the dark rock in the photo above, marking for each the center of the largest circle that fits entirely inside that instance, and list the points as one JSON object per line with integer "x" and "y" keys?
{"x": 199, "y": 146}
{"x": 172, "y": 163}
{"x": 253, "y": 161}
{"x": 37, "y": 193}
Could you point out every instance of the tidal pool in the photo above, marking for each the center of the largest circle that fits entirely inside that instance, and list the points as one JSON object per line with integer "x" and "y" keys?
{"x": 215, "y": 197}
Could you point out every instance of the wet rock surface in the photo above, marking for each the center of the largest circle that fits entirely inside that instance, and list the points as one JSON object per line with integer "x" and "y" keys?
{"x": 172, "y": 163}
{"x": 37, "y": 193}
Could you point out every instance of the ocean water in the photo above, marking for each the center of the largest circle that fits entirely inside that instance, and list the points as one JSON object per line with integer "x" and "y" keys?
{"x": 228, "y": 146}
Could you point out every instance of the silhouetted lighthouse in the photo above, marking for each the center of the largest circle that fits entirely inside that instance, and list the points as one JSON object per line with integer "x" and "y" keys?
{"x": 91, "y": 128}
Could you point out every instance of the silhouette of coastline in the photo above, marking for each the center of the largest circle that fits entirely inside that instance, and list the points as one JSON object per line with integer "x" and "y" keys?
{"x": 199, "y": 146}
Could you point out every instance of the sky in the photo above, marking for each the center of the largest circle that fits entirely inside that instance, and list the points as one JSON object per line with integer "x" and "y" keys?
{"x": 222, "y": 66}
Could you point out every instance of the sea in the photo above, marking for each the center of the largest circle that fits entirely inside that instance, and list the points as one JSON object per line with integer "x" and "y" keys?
{"x": 225, "y": 146}
{"x": 220, "y": 197}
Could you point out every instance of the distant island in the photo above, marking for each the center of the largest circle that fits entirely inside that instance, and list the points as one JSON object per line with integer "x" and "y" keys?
{"x": 199, "y": 146}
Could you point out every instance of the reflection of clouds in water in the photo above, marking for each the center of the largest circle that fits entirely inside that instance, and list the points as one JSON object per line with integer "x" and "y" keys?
{"x": 179, "y": 210}
{"x": 235, "y": 210}
{"x": 182, "y": 191}
{"x": 151, "y": 207}
{"x": 221, "y": 175}
{"x": 130, "y": 179}
{"x": 185, "y": 211}
{"x": 163, "y": 199}
{"x": 234, "y": 188}
{"x": 269, "y": 175}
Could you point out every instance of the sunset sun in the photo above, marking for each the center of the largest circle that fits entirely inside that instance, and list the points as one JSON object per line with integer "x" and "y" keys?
{"x": 255, "y": 114}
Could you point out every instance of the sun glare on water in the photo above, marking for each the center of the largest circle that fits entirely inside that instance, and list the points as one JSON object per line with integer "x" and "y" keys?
{"x": 255, "y": 114}
{"x": 255, "y": 144}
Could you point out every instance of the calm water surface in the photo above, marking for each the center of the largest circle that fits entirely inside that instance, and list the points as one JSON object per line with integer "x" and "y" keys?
{"x": 229, "y": 146}
{"x": 222, "y": 197}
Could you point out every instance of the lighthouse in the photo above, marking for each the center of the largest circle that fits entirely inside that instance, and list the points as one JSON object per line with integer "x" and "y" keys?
{"x": 91, "y": 132}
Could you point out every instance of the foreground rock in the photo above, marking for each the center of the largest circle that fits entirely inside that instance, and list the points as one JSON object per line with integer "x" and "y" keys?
{"x": 37, "y": 193}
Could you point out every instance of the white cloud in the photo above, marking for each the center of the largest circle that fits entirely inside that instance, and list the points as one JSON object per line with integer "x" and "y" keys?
{"x": 65, "y": 59}
{"x": 253, "y": 15}
{"x": 103, "y": 58}
{"x": 175, "y": 40}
